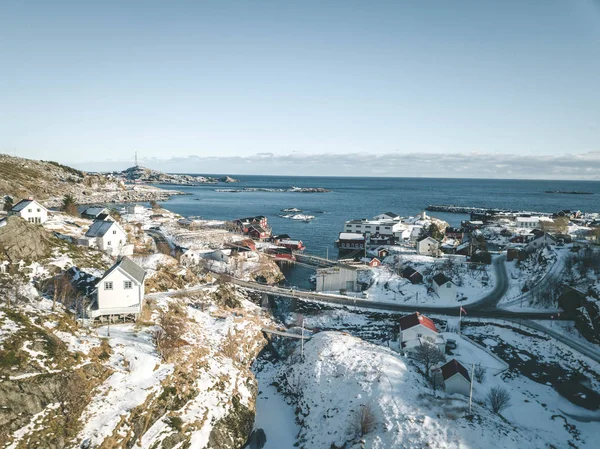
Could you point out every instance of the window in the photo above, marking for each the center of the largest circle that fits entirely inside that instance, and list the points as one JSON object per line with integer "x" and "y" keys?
{"x": 108, "y": 243}
{"x": 108, "y": 286}
{"x": 448, "y": 285}
{"x": 115, "y": 232}
{"x": 127, "y": 285}
{"x": 29, "y": 210}
{"x": 419, "y": 335}
{"x": 39, "y": 210}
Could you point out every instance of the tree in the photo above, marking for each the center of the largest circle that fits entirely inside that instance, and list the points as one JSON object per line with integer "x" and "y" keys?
{"x": 498, "y": 399}
{"x": 428, "y": 354}
{"x": 69, "y": 206}
{"x": 479, "y": 373}
{"x": 8, "y": 203}
{"x": 435, "y": 232}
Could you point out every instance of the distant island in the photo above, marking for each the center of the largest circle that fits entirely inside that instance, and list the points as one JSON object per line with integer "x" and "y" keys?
{"x": 291, "y": 189}
{"x": 567, "y": 192}
{"x": 147, "y": 175}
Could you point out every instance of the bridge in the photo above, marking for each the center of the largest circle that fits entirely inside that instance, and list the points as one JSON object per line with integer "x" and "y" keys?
{"x": 279, "y": 333}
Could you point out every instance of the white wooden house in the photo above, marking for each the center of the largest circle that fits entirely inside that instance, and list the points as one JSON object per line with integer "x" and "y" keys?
{"x": 30, "y": 210}
{"x": 539, "y": 242}
{"x": 456, "y": 378}
{"x": 108, "y": 236}
{"x": 444, "y": 287}
{"x": 120, "y": 292}
{"x": 428, "y": 246}
{"x": 387, "y": 216}
{"x": 94, "y": 212}
{"x": 417, "y": 328}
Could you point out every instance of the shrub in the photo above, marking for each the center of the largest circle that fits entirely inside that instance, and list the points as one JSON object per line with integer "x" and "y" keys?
{"x": 365, "y": 420}
{"x": 498, "y": 399}
{"x": 479, "y": 373}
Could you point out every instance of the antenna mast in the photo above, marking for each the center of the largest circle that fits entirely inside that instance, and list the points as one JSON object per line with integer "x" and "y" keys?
{"x": 136, "y": 161}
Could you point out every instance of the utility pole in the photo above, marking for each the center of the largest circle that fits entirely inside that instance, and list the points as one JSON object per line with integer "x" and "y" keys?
{"x": 471, "y": 393}
{"x": 109, "y": 317}
{"x": 302, "y": 341}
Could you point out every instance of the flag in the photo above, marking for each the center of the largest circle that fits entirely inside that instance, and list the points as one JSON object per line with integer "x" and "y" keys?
{"x": 463, "y": 311}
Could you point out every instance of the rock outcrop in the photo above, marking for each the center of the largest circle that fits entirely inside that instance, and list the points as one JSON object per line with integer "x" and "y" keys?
{"x": 21, "y": 240}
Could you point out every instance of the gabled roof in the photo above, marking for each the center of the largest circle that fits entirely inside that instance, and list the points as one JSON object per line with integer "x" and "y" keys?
{"x": 128, "y": 266}
{"x": 99, "y": 228}
{"x": 454, "y": 367}
{"x": 415, "y": 319}
{"x": 409, "y": 272}
{"x": 257, "y": 228}
{"x": 441, "y": 279}
{"x": 390, "y": 214}
{"x": 95, "y": 210}
{"x": 427, "y": 237}
{"x": 25, "y": 203}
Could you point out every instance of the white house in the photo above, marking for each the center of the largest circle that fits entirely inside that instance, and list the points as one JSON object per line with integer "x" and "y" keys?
{"x": 428, "y": 246}
{"x": 94, "y": 211}
{"x": 415, "y": 329}
{"x": 220, "y": 255}
{"x": 387, "y": 216}
{"x": 339, "y": 277}
{"x": 135, "y": 209}
{"x": 382, "y": 227}
{"x": 109, "y": 236}
{"x": 444, "y": 287}
{"x": 539, "y": 242}
{"x": 120, "y": 291}
{"x": 456, "y": 378}
{"x": 30, "y": 210}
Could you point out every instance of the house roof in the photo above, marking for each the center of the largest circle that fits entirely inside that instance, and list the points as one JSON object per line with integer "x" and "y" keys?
{"x": 351, "y": 236}
{"x": 454, "y": 367}
{"x": 409, "y": 272}
{"x": 427, "y": 237}
{"x": 129, "y": 267}
{"x": 415, "y": 319}
{"x": 23, "y": 204}
{"x": 441, "y": 279}
{"x": 95, "y": 211}
{"x": 390, "y": 214}
{"x": 99, "y": 228}
{"x": 258, "y": 228}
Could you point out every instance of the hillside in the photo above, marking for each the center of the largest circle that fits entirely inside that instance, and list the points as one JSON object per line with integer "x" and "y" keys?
{"x": 50, "y": 181}
{"x": 143, "y": 174}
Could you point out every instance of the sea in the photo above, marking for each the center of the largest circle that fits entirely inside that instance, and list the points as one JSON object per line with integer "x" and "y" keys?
{"x": 353, "y": 197}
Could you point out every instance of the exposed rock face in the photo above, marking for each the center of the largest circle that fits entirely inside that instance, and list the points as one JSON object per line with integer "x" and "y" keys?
{"x": 21, "y": 240}
{"x": 587, "y": 319}
{"x": 228, "y": 179}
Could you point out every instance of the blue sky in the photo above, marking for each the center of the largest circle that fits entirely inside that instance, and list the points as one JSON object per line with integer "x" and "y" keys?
{"x": 85, "y": 82}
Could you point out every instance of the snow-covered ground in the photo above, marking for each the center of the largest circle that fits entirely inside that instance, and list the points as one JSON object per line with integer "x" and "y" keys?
{"x": 386, "y": 285}
{"x": 342, "y": 374}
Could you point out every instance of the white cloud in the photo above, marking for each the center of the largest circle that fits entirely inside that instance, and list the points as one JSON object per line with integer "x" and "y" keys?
{"x": 579, "y": 166}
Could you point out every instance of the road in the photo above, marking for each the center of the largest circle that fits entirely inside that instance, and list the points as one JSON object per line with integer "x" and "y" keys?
{"x": 490, "y": 300}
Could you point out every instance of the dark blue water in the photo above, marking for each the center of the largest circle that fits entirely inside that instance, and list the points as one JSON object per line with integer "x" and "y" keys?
{"x": 366, "y": 197}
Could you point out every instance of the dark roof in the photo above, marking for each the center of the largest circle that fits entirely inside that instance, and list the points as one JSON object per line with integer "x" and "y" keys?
{"x": 441, "y": 279}
{"x": 408, "y": 321}
{"x": 453, "y": 367}
{"x": 257, "y": 228}
{"x": 409, "y": 271}
{"x": 99, "y": 228}
{"x": 23, "y": 204}
{"x": 129, "y": 267}
{"x": 391, "y": 214}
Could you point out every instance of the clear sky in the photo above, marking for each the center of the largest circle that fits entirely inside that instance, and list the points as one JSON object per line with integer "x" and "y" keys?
{"x": 84, "y": 81}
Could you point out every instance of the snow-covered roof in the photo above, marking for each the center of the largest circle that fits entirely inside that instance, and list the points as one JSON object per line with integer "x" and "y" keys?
{"x": 441, "y": 279}
{"x": 351, "y": 236}
{"x": 290, "y": 242}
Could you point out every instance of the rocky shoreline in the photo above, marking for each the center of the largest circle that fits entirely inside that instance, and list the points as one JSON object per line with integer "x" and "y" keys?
{"x": 261, "y": 189}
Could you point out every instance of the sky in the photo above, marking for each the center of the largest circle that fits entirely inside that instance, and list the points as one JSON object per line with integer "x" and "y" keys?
{"x": 274, "y": 87}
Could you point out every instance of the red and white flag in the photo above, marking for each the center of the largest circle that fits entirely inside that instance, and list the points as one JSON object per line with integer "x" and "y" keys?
{"x": 463, "y": 311}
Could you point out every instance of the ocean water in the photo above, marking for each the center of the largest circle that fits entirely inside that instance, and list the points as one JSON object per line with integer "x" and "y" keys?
{"x": 365, "y": 197}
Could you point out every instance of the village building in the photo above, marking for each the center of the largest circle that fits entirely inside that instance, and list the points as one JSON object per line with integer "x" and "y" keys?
{"x": 382, "y": 253}
{"x": 454, "y": 233}
{"x": 350, "y": 241}
{"x": 371, "y": 261}
{"x": 243, "y": 224}
{"x": 444, "y": 287}
{"x": 30, "y": 210}
{"x": 295, "y": 245}
{"x": 94, "y": 211}
{"x": 387, "y": 216}
{"x": 456, "y": 378}
{"x": 108, "y": 236}
{"x": 428, "y": 246}
{"x": 539, "y": 242}
{"x": 120, "y": 292}
{"x": 416, "y": 329}
{"x": 412, "y": 275}
{"x": 385, "y": 228}
{"x": 136, "y": 209}
{"x": 258, "y": 232}
{"x": 339, "y": 277}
